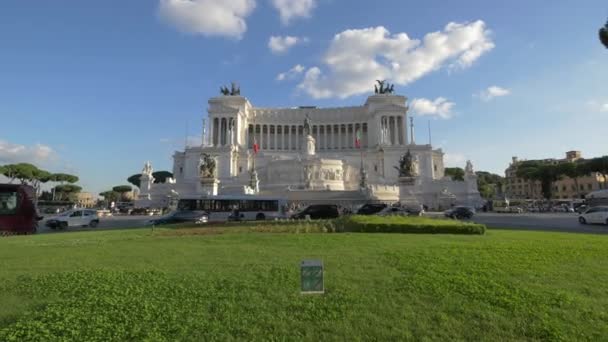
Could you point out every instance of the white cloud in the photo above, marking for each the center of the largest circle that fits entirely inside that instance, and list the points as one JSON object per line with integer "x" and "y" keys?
{"x": 597, "y": 106}
{"x": 291, "y": 74}
{"x": 454, "y": 159}
{"x": 358, "y": 57}
{"x": 280, "y": 45}
{"x": 290, "y": 9}
{"x": 208, "y": 17}
{"x": 37, "y": 154}
{"x": 492, "y": 92}
{"x": 439, "y": 107}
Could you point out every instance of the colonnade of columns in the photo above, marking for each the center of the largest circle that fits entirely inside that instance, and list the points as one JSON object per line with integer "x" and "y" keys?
{"x": 290, "y": 137}
{"x": 223, "y": 131}
{"x": 392, "y": 131}
{"x": 329, "y": 136}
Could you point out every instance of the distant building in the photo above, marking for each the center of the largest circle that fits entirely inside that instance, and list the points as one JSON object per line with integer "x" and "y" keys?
{"x": 564, "y": 188}
{"x": 85, "y": 200}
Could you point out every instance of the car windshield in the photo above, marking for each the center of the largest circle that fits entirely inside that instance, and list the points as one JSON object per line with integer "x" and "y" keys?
{"x": 8, "y": 203}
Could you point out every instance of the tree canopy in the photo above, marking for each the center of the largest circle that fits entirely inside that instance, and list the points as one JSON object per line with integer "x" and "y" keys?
{"x": 456, "y": 173}
{"x": 161, "y": 176}
{"x": 489, "y": 184}
{"x": 135, "y": 179}
{"x": 122, "y": 188}
{"x": 64, "y": 178}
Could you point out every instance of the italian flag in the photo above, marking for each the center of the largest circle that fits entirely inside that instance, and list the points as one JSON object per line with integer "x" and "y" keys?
{"x": 358, "y": 139}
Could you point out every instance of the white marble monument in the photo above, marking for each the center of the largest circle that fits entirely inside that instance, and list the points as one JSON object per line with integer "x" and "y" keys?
{"x": 309, "y": 154}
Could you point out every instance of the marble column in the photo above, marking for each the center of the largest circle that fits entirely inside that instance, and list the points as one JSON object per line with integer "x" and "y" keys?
{"x": 395, "y": 139}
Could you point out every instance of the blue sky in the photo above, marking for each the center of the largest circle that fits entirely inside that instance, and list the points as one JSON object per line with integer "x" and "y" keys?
{"x": 98, "y": 87}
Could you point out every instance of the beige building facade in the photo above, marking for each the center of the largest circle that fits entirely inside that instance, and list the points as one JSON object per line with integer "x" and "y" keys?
{"x": 565, "y": 188}
{"x": 85, "y": 200}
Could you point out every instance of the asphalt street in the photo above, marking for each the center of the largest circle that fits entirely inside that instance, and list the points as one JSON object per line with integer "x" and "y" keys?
{"x": 553, "y": 222}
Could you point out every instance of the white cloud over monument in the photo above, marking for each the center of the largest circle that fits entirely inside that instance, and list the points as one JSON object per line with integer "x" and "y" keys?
{"x": 358, "y": 57}
{"x": 208, "y": 17}
{"x": 440, "y": 107}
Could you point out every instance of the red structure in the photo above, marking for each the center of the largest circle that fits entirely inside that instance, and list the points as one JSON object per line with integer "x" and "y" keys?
{"x": 18, "y": 214}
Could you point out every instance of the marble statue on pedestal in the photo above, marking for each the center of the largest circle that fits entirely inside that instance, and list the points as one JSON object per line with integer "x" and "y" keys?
{"x": 206, "y": 166}
{"x": 408, "y": 165}
{"x": 468, "y": 169}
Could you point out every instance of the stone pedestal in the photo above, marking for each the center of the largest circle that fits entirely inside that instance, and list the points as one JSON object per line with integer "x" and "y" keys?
{"x": 208, "y": 186}
{"x": 407, "y": 195}
{"x": 309, "y": 146}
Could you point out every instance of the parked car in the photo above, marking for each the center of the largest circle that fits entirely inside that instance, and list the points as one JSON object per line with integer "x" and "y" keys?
{"x": 182, "y": 216}
{"x": 140, "y": 211}
{"x": 318, "y": 211}
{"x": 399, "y": 211}
{"x": 460, "y": 212}
{"x": 516, "y": 210}
{"x": 597, "y": 214}
{"x": 371, "y": 208}
{"x": 74, "y": 218}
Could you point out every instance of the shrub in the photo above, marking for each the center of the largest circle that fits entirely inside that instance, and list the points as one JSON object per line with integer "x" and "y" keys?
{"x": 401, "y": 224}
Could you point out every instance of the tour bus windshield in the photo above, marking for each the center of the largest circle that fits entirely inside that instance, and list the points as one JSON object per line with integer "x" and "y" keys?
{"x": 226, "y": 205}
{"x": 8, "y": 203}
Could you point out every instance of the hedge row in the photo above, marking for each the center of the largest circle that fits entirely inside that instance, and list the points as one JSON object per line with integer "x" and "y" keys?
{"x": 402, "y": 224}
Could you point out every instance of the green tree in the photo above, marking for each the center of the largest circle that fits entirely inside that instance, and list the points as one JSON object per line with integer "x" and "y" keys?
{"x": 135, "y": 179}
{"x": 24, "y": 172}
{"x": 489, "y": 184}
{"x": 599, "y": 165}
{"x": 603, "y": 33}
{"x": 66, "y": 191}
{"x": 110, "y": 196}
{"x": 161, "y": 176}
{"x": 122, "y": 190}
{"x": 549, "y": 174}
{"x": 456, "y": 173}
{"x": 529, "y": 171}
{"x": 64, "y": 178}
{"x": 573, "y": 170}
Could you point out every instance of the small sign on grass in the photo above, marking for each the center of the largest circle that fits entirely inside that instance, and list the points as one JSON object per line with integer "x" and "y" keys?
{"x": 311, "y": 272}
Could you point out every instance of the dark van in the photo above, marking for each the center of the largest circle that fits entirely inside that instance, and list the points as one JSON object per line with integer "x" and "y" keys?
{"x": 371, "y": 208}
{"x": 318, "y": 211}
{"x": 18, "y": 214}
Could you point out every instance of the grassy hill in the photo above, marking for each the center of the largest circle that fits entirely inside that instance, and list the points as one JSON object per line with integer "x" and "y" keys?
{"x": 201, "y": 284}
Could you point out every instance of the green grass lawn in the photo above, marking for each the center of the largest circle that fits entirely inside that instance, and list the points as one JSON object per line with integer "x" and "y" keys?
{"x": 202, "y": 284}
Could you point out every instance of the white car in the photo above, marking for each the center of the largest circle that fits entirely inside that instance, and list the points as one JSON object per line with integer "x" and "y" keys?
{"x": 74, "y": 218}
{"x": 595, "y": 215}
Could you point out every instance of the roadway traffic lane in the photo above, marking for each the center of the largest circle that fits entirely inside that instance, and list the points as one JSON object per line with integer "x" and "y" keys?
{"x": 105, "y": 223}
{"x": 554, "y": 222}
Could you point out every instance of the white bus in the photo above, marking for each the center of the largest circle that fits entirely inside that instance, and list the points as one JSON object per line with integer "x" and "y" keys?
{"x": 223, "y": 208}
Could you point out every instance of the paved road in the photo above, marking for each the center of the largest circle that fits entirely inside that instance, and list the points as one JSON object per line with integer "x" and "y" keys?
{"x": 555, "y": 222}
{"x": 105, "y": 223}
